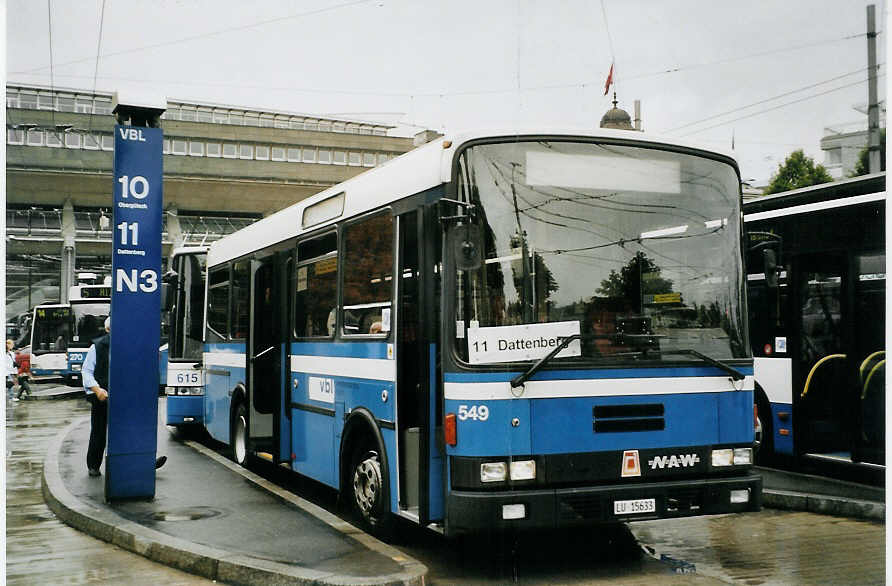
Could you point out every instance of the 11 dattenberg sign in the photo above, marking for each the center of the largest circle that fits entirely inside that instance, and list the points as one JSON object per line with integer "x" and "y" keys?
{"x": 136, "y": 313}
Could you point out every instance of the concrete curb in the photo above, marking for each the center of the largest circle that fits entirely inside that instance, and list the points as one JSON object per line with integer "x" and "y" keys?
{"x": 72, "y": 394}
{"x": 214, "y": 564}
{"x": 824, "y": 505}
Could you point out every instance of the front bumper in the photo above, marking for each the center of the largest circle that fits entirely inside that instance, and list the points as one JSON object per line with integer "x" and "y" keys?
{"x": 468, "y": 511}
{"x": 185, "y": 410}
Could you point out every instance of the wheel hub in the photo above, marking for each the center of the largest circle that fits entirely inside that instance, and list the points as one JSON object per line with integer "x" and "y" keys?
{"x": 367, "y": 484}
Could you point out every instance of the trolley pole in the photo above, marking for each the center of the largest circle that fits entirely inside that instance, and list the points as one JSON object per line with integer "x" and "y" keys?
{"x": 873, "y": 109}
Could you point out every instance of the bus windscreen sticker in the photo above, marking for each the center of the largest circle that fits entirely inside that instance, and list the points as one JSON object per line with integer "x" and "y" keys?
{"x": 524, "y": 342}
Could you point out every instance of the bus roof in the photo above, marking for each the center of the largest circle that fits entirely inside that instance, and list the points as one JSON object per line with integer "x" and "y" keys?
{"x": 814, "y": 194}
{"x": 418, "y": 170}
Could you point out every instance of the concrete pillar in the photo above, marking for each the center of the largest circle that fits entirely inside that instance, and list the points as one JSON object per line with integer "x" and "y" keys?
{"x": 67, "y": 267}
{"x": 174, "y": 230}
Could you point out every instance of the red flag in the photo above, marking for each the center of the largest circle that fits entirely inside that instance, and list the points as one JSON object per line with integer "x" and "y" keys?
{"x": 609, "y": 80}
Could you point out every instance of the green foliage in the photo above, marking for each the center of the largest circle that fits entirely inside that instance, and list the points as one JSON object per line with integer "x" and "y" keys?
{"x": 863, "y": 167}
{"x": 797, "y": 171}
{"x": 640, "y": 276}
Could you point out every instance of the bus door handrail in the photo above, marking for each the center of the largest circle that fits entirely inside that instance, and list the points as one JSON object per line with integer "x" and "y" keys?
{"x": 870, "y": 376}
{"x": 814, "y": 368}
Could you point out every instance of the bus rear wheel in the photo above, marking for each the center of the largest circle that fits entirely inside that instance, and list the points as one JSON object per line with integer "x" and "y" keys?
{"x": 238, "y": 438}
{"x": 369, "y": 493}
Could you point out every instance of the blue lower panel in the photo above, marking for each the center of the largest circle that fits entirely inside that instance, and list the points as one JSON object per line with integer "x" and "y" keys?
{"x": 783, "y": 444}
{"x": 185, "y": 410}
{"x": 566, "y": 425}
{"x": 313, "y": 446}
{"x": 217, "y": 401}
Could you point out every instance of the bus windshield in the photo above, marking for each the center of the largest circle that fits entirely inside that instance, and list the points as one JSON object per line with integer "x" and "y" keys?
{"x": 52, "y": 326}
{"x": 635, "y": 249}
{"x": 89, "y": 322}
{"x": 187, "y": 313}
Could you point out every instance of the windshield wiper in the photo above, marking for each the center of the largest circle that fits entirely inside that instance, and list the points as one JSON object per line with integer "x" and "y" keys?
{"x": 733, "y": 372}
{"x": 525, "y": 376}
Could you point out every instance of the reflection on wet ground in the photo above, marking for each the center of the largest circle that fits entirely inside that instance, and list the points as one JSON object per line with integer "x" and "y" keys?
{"x": 773, "y": 547}
{"x": 40, "y": 549}
{"x": 769, "y": 547}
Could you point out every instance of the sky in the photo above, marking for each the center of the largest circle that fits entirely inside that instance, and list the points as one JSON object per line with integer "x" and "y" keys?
{"x": 769, "y": 74}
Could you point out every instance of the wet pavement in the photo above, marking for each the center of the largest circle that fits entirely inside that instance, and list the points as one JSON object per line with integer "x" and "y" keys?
{"x": 40, "y": 548}
{"x": 187, "y": 524}
{"x": 215, "y": 519}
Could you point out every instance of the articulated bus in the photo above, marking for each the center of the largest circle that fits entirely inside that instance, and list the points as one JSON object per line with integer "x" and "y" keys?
{"x": 501, "y": 330}
{"x": 61, "y": 333}
{"x": 183, "y": 380}
{"x": 817, "y": 286}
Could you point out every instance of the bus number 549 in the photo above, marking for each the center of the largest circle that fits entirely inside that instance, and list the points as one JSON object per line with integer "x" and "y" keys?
{"x": 475, "y": 412}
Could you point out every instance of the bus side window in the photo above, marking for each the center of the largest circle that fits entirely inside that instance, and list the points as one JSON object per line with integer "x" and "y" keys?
{"x": 218, "y": 304}
{"x": 368, "y": 275}
{"x": 241, "y": 290}
{"x": 316, "y": 287}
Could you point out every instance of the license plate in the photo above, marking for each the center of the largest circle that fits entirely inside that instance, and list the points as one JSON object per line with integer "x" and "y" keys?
{"x": 634, "y": 506}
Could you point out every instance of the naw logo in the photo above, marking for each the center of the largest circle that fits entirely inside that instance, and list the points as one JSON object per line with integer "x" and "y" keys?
{"x": 673, "y": 461}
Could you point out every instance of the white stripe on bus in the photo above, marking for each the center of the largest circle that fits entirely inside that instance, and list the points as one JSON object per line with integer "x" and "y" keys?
{"x": 553, "y": 389}
{"x": 224, "y": 359}
{"x": 370, "y": 368}
{"x": 814, "y": 207}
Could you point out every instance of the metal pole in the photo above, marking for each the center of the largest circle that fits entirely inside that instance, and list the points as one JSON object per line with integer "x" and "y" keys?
{"x": 873, "y": 110}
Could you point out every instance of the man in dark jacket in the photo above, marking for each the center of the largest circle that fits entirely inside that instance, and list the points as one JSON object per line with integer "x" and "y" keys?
{"x": 94, "y": 374}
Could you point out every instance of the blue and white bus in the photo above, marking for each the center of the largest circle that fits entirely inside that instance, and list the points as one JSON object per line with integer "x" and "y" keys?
{"x": 183, "y": 375}
{"x": 61, "y": 333}
{"x": 497, "y": 330}
{"x": 817, "y": 323}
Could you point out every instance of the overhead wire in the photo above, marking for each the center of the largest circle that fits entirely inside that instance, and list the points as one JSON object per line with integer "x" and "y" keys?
{"x": 205, "y": 35}
{"x": 49, "y": 16}
{"x": 412, "y": 95}
{"x": 771, "y": 99}
{"x": 784, "y": 105}
{"x": 98, "y": 53}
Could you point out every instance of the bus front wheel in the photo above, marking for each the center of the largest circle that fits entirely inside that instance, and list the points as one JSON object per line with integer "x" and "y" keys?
{"x": 369, "y": 490}
{"x": 238, "y": 438}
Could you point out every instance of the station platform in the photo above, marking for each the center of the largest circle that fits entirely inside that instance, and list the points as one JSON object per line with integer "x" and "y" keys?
{"x": 215, "y": 519}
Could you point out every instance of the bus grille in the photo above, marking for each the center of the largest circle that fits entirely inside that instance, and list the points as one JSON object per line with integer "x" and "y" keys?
{"x": 626, "y": 418}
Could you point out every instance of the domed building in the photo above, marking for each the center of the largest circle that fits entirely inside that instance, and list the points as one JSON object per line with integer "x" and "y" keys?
{"x": 617, "y": 118}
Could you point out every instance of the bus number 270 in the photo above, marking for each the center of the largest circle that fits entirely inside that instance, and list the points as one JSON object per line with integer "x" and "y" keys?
{"x": 475, "y": 412}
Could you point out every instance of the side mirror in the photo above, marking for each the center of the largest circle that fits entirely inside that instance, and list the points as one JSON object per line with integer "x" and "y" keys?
{"x": 769, "y": 265}
{"x": 466, "y": 243}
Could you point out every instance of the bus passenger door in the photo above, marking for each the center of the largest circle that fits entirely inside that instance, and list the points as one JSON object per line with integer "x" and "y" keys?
{"x": 413, "y": 373}
{"x": 825, "y": 392}
{"x": 265, "y": 354}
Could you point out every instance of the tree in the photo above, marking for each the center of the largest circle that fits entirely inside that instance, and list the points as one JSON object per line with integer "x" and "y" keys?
{"x": 862, "y": 167}
{"x": 640, "y": 276}
{"x": 797, "y": 171}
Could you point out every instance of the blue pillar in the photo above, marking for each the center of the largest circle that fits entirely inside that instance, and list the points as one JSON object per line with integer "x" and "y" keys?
{"x": 135, "y": 305}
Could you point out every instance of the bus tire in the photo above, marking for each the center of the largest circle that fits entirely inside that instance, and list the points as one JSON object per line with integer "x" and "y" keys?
{"x": 238, "y": 436}
{"x": 370, "y": 492}
{"x": 763, "y": 447}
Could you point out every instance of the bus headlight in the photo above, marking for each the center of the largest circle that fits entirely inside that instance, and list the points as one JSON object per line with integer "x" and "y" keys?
{"x": 493, "y": 472}
{"x": 197, "y": 391}
{"x": 524, "y": 470}
{"x": 722, "y": 458}
{"x": 732, "y": 457}
{"x": 170, "y": 390}
{"x": 743, "y": 456}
